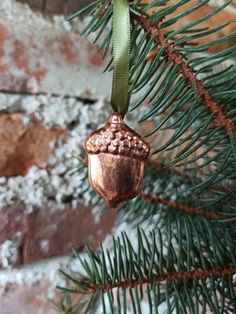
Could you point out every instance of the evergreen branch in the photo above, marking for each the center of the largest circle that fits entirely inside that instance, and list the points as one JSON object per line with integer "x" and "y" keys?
{"x": 186, "y": 175}
{"x": 220, "y": 118}
{"x": 175, "y": 269}
{"x": 182, "y": 207}
{"x": 176, "y": 276}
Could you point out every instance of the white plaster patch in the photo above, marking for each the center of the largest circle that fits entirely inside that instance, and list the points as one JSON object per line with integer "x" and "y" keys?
{"x": 33, "y": 273}
{"x": 9, "y": 253}
{"x": 45, "y": 245}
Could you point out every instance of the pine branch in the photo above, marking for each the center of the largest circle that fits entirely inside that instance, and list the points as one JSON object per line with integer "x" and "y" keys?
{"x": 182, "y": 207}
{"x": 187, "y": 174}
{"x": 144, "y": 269}
{"x": 163, "y": 195}
{"x": 176, "y": 276}
{"x": 220, "y": 118}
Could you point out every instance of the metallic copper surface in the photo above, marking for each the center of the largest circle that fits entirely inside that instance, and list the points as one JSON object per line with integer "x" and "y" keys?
{"x": 116, "y": 157}
{"x": 116, "y": 178}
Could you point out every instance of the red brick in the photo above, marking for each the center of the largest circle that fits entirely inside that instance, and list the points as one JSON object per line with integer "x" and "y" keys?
{"x": 26, "y": 299}
{"x": 94, "y": 57}
{"x": 73, "y": 6}
{"x": 19, "y": 56}
{"x": 34, "y": 4}
{"x": 63, "y": 48}
{"x": 4, "y": 33}
{"x": 54, "y": 7}
{"x": 22, "y": 146}
{"x": 51, "y": 232}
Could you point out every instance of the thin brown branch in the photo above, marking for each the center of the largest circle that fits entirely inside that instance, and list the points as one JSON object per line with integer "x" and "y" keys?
{"x": 182, "y": 207}
{"x": 212, "y": 106}
{"x": 105, "y": 9}
{"x": 161, "y": 167}
{"x": 176, "y": 276}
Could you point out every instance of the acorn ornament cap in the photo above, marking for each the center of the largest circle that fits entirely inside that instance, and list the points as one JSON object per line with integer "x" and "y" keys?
{"x": 116, "y": 157}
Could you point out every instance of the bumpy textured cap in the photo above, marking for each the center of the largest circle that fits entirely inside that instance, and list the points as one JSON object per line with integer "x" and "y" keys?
{"x": 118, "y": 139}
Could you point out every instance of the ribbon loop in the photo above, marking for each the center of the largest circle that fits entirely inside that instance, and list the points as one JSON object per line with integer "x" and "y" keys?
{"x": 121, "y": 56}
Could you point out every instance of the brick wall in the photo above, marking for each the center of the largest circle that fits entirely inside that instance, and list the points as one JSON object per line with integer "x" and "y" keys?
{"x": 50, "y": 94}
{"x": 48, "y": 80}
{"x": 49, "y": 7}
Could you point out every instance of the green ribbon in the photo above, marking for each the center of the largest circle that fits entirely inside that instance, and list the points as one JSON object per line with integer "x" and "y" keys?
{"x": 121, "y": 56}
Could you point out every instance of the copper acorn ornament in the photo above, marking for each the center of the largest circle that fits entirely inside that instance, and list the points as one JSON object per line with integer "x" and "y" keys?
{"x": 116, "y": 155}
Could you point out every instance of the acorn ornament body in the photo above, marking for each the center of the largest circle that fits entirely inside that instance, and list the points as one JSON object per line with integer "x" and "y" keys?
{"x": 116, "y": 156}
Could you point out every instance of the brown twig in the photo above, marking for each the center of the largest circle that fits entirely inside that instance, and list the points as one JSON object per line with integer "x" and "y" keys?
{"x": 220, "y": 119}
{"x": 161, "y": 167}
{"x": 155, "y": 278}
{"x": 182, "y": 207}
{"x": 105, "y": 9}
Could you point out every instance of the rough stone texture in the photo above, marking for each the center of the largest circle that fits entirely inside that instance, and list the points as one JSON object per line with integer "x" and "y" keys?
{"x": 32, "y": 288}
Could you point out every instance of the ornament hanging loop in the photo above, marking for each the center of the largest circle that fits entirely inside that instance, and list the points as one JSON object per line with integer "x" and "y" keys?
{"x": 121, "y": 56}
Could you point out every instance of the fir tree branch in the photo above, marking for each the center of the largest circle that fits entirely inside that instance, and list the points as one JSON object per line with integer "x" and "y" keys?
{"x": 176, "y": 267}
{"x": 212, "y": 106}
{"x": 182, "y": 207}
{"x": 161, "y": 167}
{"x": 176, "y": 276}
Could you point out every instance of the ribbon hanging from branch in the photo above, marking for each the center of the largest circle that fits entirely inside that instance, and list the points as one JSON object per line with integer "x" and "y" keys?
{"x": 121, "y": 56}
